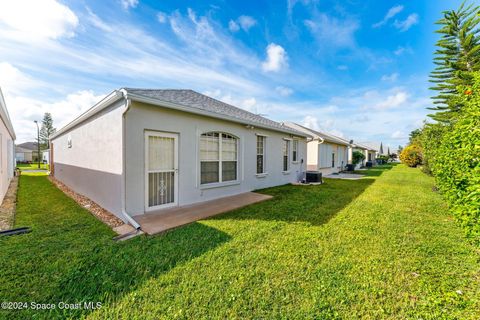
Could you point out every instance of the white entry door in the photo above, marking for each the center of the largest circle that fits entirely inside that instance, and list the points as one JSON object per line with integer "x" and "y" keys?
{"x": 161, "y": 170}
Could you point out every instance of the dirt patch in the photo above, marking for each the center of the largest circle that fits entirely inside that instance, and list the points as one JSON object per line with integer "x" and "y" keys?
{"x": 9, "y": 204}
{"x": 100, "y": 213}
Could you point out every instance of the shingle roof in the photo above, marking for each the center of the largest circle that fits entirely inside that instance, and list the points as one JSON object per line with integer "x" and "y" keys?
{"x": 28, "y": 145}
{"x": 193, "y": 99}
{"x": 317, "y": 133}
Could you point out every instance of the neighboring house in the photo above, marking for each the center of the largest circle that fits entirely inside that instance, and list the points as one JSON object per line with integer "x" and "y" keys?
{"x": 368, "y": 151}
{"x": 7, "y": 144}
{"x": 46, "y": 156}
{"x": 26, "y": 152}
{"x": 138, "y": 151}
{"x": 326, "y": 152}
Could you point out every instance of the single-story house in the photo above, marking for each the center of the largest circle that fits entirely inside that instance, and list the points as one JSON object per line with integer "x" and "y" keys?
{"x": 26, "y": 152}
{"x": 46, "y": 156}
{"x": 7, "y": 148}
{"x": 326, "y": 152}
{"x": 368, "y": 151}
{"x": 141, "y": 150}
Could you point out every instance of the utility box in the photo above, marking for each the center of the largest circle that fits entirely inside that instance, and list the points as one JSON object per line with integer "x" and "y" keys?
{"x": 314, "y": 176}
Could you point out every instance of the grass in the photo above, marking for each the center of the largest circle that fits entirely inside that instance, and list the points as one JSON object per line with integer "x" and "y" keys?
{"x": 29, "y": 169}
{"x": 380, "y": 247}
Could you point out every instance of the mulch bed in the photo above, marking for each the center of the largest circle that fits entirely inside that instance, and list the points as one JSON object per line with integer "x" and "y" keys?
{"x": 9, "y": 204}
{"x": 100, "y": 213}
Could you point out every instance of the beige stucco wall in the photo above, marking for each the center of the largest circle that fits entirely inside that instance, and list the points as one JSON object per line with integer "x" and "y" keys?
{"x": 142, "y": 117}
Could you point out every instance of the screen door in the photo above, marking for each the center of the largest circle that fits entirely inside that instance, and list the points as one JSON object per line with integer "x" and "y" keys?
{"x": 161, "y": 170}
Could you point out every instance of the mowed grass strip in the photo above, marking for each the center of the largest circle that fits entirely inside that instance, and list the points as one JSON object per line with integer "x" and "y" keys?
{"x": 381, "y": 247}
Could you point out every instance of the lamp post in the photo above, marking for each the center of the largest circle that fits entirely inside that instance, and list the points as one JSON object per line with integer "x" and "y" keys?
{"x": 38, "y": 143}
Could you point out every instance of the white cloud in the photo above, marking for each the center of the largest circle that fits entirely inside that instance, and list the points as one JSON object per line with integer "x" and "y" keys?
{"x": 63, "y": 111}
{"x": 284, "y": 91}
{"x": 311, "y": 122}
{"x": 33, "y": 20}
{"x": 392, "y": 12}
{"x": 276, "y": 58}
{"x": 161, "y": 17}
{"x": 398, "y": 134}
{"x": 406, "y": 24}
{"x": 233, "y": 26}
{"x": 14, "y": 81}
{"x": 249, "y": 104}
{"x": 342, "y": 67}
{"x": 332, "y": 31}
{"x": 127, "y": 4}
{"x": 97, "y": 22}
{"x": 390, "y": 77}
{"x": 402, "y": 50}
{"x": 244, "y": 22}
{"x": 377, "y": 101}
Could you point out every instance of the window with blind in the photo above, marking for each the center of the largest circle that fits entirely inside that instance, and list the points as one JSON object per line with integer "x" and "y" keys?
{"x": 218, "y": 157}
{"x": 286, "y": 155}
{"x": 261, "y": 154}
{"x": 295, "y": 150}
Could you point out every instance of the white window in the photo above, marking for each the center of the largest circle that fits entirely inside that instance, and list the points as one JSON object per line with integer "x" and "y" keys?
{"x": 286, "y": 155}
{"x": 295, "y": 150}
{"x": 218, "y": 157}
{"x": 261, "y": 154}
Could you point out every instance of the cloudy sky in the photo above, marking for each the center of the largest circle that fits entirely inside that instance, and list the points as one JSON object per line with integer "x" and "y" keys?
{"x": 356, "y": 68}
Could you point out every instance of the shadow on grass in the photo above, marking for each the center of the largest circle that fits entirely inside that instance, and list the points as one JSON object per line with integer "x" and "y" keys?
{"x": 70, "y": 256}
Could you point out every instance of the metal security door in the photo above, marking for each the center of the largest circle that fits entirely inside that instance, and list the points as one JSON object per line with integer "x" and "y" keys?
{"x": 161, "y": 170}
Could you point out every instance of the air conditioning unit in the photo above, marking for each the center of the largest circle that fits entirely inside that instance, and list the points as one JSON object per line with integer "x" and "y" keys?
{"x": 313, "y": 176}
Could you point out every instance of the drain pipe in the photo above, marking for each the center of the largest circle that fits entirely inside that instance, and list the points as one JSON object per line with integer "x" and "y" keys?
{"x": 124, "y": 176}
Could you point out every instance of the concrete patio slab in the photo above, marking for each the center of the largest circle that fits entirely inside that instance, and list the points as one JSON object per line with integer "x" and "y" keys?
{"x": 345, "y": 176}
{"x": 163, "y": 220}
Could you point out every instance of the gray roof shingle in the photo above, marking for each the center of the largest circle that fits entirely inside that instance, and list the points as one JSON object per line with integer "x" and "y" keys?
{"x": 193, "y": 99}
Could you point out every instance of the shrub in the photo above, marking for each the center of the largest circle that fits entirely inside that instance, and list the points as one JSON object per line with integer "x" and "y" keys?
{"x": 411, "y": 155}
{"x": 457, "y": 162}
{"x": 357, "y": 157}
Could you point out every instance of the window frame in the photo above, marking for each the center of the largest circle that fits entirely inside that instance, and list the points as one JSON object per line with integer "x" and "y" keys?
{"x": 264, "y": 152}
{"x": 287, "y": 143}
{"x": 220, "y": 160}
{"x": 295, "y": 144}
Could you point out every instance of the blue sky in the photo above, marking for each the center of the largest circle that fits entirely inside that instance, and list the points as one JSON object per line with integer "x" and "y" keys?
{"x": 358, "y": 69}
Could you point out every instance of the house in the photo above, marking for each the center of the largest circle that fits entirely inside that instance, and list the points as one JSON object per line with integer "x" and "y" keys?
{"x": 139, "y": 151}
{"x": 326, "y": 152}
{"x": 368, "y": 151}
{"x": 46, "y": 156}
{"x": 26, "y": 152}
{"x": 7, "y": 143}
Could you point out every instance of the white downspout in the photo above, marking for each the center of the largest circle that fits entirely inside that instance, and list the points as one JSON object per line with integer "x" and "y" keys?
{"x": 124, "y": 176}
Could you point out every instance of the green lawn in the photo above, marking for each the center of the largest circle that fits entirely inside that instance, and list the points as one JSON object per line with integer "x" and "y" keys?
{"x": 32, "y": 166}
{"x": 376, "y": 248}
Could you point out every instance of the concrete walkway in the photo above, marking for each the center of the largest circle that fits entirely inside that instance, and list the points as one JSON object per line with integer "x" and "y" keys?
{"x": 163, "y": 220}
{"x": 7, "y": 209}
{"x": 345, "y": 176}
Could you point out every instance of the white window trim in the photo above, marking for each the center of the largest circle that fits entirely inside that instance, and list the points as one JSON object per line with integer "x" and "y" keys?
{"x": 289, "y": 155}
{"x": 264, "y": 173}
{"x": 220, "y": 183}
{"x": 297, "y": 141}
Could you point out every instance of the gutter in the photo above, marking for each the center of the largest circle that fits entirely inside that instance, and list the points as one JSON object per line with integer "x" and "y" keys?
{"x": 124, "y": 176}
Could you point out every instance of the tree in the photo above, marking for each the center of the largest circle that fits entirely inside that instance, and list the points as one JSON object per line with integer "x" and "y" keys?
{"x": 458, "y": 54}
{"x": 381, "y": 148}
{"x": 399, "y": 149}
{"x": 411, "y": 155}
{"x": 46, "y": 131}
{"x": 357, "y": 157}
{"x": 414, "y": 136}
{"x": 388, "y": 152}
